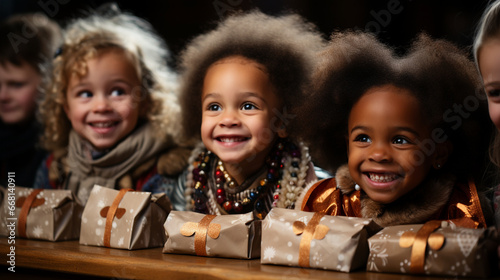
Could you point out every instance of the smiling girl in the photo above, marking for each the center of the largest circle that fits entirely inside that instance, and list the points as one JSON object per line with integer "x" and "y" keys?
{"x": 240, "y": 83}
{"x": 110, "y": 110}
{"x": 412, "y": 126}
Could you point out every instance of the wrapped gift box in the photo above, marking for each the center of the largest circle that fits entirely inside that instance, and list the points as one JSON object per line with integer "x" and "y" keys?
{"x": 227, "y": 236}
{"x": 124, "y": 219}
{"x": 449, "y": 250}
{"x": 41, "y": 214}
{"x": 307, "y": 239}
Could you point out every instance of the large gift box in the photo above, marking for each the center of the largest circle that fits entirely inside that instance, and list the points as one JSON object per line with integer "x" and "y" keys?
{"x": 40, "y": 214}
{"x": 124, "y": 219}
{"x": 308, "y": 239}
{"x": 228, "y": 236}
{"x": 434, "y": 248}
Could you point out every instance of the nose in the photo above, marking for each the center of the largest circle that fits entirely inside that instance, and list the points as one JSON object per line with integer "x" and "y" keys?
{"x": 380, "y": 152}
{"x": 101, "y": 104}
{"x": 230, "y": 119}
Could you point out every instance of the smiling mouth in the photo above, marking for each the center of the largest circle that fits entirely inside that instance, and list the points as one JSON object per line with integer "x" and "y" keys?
{"x": 232, "y": 139}
{"x": 382, "y": 177}
{"x": 103, "y": 124}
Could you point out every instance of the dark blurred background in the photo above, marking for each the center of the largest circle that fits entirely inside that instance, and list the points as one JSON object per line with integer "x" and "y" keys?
{"x": 396, "y": 22}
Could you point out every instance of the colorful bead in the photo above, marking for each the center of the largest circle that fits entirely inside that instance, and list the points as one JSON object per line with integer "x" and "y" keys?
{"x": 228, "y": 205}
{"x": 221, "y": 199}
{"x": 237, "y": 207}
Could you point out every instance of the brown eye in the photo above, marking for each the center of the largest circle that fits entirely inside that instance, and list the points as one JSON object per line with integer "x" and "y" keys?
{"x": 494, "y": 93}
{"x": 362, "y": 138}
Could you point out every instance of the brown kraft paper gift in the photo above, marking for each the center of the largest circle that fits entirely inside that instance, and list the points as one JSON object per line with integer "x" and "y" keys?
{"x": 431, "y": 250}
{"x": 43, "y": 214}
{"x": 124, "y": 219}
{"x": 227, "y": 236}
{"x": 307, "y": 239}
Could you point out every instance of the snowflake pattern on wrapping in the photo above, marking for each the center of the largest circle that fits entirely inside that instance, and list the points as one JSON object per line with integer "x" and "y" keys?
{"x": 37, "y": 231}
{"x": 377, "y": 252}
{"x": 269, "y": 253}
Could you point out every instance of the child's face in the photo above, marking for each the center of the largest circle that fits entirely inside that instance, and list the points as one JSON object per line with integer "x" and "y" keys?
{"x": 102, "y": 106}
{"x": 238, "y": 122}
{"x": 489, "y": 64}
{"x": 386, "y": 129}
{"x": 18, "y": 92}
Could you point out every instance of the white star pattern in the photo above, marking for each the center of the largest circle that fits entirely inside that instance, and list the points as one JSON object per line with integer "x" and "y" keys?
{"x": 37, "y": 231}
{"x": 269, "y": 253}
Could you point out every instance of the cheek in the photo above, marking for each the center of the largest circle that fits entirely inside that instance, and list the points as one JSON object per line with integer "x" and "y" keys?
{"x": 206, "y": 128}
{"x": 494, "y": 110}
{"x": 129, "y": 111}
{"x": 27, "y": 98}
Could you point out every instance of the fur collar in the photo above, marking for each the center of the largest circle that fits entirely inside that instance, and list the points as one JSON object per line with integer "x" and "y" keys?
{"x": 415, "y": 207}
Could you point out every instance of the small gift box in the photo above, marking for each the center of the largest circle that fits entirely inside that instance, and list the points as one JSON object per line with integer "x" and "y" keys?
{"x": 307, "y": 239}
{"x": 124, "y": 219}
{"x": 40, "y": 214}
{"x": 434, "y": 250}
{"x": 227, "y": 236}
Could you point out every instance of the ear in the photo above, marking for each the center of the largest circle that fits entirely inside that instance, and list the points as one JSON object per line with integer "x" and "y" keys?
{"x": 282, "y": 133}
{"x": 65, "y": 107}
{"x": 443, "y": 151}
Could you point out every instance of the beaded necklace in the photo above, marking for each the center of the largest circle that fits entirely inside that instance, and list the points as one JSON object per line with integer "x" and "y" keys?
{"x": 286, "y": 166}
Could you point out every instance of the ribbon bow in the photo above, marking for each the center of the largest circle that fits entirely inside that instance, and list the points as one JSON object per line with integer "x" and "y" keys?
{"x": 119, "y": 212}
{"x": 313, "y": 230}
{"x": 200, "y": 231}
{"x": 419, "y": 242}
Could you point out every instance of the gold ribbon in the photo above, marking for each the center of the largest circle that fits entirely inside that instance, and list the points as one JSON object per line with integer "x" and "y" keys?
{"x": 200, "y": 237}
{"x": 111, "y": 216}
{"x": 25, "y": 209}
{"x": 419, "y": 242}
{"x": 313, "y": 230}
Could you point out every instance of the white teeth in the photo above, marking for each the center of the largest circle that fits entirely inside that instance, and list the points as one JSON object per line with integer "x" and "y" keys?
{"x": 231, "y": 140}
{"x": 382, "y": 178}
{"x": 103, "y": 124}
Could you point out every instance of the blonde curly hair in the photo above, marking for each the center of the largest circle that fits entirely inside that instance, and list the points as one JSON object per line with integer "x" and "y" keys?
{"x": 86, "y": 38}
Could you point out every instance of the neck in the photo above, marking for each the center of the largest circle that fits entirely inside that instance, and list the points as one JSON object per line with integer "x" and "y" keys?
{"x": 240, "y": 172}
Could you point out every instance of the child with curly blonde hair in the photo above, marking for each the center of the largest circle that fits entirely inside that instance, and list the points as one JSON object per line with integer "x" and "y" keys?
{"x": 409, "y": 128}
{"x": 240, "y": 85}
{"x": 111, "y": 112}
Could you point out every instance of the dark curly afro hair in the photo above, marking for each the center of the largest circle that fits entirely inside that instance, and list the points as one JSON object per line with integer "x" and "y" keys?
{"x": 284, "y": 45}
{"x": 436, "y": 72}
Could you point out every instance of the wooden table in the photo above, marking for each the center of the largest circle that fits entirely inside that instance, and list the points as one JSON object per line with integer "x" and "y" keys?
{"x": 70, "y": 260}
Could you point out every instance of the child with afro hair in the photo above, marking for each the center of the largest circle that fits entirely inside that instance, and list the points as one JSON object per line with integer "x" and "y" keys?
{"x": 240, "y": 86}
{"x": 414, "y": 129}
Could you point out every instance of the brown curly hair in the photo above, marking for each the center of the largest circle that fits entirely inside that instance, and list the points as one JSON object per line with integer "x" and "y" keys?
{"x": 436, "y": 72}
{"x": 87, "y": 38}
{"x": 31, "y": 38}
{"x": 284, "y": 45}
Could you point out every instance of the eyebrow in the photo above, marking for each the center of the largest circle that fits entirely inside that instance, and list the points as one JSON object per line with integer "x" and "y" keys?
{"x": 398, "y": 128}
{"x": 246, "y": 93}
{"x": 492, "y": 83}
{"x": 210, "y": 95}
